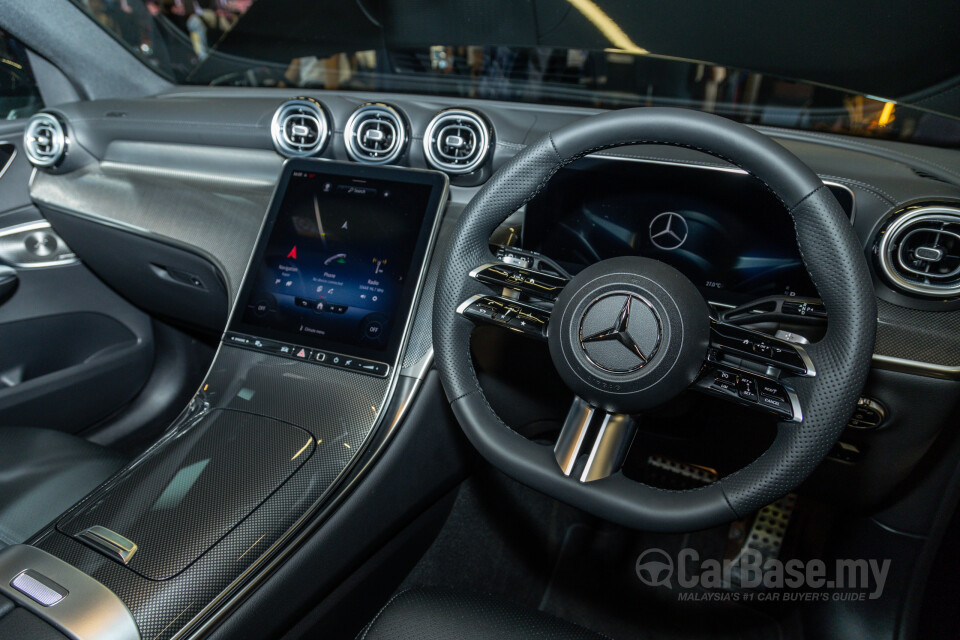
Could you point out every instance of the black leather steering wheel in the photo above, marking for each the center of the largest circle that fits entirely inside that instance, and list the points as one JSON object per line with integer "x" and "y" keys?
{"x": 629, "y": 333}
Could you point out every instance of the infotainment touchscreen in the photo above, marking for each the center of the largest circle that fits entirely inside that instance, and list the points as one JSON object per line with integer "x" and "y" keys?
{"x": 335, "y": 271}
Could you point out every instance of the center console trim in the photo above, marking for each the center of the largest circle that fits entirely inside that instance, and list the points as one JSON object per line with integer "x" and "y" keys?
{"x": 394, "y": 408}
{"x": 89, "y": 611}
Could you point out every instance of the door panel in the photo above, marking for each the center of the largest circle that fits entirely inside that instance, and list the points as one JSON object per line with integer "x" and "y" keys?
{"x": 72, "y": 352}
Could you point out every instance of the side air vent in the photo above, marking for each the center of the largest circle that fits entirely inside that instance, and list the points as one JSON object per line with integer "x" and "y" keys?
{"x": 456, "y": 141}
{"x": 375, "y": 134}
{"x": 44, "y": 140}
{"x": 300, "y": 128}
{"x": 919, "y": 251}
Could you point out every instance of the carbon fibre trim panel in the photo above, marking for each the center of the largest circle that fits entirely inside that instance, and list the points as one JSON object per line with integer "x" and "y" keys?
{"x": 217, "y": 218}
{"x": 923, "y": 336}
{"x": 340, "y": 421}
{"x": 204, "y": 481}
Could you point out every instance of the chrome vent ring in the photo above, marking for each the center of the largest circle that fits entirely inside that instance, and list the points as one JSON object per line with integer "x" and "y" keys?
{"x": 300, "y": 128}
{"x": 375, "y": 134}
{"x": 44, "y": 140}
{"x": 919, "y": 251}
{"x": 457, "y": 141}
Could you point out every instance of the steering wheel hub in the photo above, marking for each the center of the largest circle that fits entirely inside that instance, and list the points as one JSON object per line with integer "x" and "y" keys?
{"x": 629, "y": 333}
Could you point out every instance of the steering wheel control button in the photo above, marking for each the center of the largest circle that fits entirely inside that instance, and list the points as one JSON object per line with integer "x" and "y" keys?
{"x": 629, "y": 333}
{"x": 39, "y": 588}
{"x": 760, "y": 347}
{"x": 747, "y": 388}
{"x": 509, "y": 314}
{"x": 509, "y": 276}
{"x": 868, "y": 414}
{"x": 306, "y": 354}
{"x": 773, "y": 390}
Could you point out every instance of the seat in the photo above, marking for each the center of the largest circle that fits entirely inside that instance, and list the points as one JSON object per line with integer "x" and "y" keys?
{"x": 42, "y": 474}
{"x": 440, "y": 614}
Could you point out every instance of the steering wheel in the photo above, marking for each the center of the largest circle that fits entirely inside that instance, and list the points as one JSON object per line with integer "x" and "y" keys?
{"x": 628, "y": 333}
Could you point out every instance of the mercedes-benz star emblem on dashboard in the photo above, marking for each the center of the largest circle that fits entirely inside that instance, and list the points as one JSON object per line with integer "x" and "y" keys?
{"x": 668, "y": 230}
{"x": 621, "y": 343}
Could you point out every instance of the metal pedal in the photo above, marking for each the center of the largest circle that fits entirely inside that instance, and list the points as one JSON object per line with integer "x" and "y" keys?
{"x": 764, "y": 536}
{"x": 669, "y": 474}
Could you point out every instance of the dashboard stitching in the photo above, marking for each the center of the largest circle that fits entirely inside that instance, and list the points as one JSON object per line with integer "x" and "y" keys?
{"x": 870, "y": 149}
{"x": 866, "y": 186}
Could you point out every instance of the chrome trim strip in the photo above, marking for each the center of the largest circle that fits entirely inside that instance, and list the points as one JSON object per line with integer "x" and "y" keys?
{"x": 610, "y": 447}
{"x": 469, "y": 301}
{"x": 10, "y": 160}
{"x": 794, "y": 403}
{"x": 284, "y": 545}
{"x": 24, "y": 227}
{"x": 928, "y": 369}
{"x": 574, "y": 430}
{"x": 738, "y": 170}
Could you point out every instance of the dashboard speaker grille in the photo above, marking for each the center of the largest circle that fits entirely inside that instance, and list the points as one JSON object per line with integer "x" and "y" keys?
{"x": 375, "y": 134}
{"x": 300, "y": 128}
{"x": 919, "y": 251}
{"x": 456, "y": 141}
{"x": 44, "y": 140}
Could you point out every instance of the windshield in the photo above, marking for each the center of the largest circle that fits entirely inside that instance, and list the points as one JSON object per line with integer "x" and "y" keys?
{"x": 510, "y": 52}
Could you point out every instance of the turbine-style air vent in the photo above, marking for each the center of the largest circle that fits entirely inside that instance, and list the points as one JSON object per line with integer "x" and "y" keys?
{"x": 375, "y": 134}
{"x": 44, "y": 140}
{"x": 300, "y": 128}
{"x": 919, "y": 251}
{"x": 456, "y": 141}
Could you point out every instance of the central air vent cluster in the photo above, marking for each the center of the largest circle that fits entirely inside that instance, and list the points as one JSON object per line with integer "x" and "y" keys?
{"x": 300, "y": 128}
{"x": 44, "y": 140}
{"x": 375, "y": 134}
{"x": 456, "y": 141}
{"x": 920, "y": 251}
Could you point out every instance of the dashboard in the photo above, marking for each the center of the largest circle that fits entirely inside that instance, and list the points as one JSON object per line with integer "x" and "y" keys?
{"x": 222, "y": 156}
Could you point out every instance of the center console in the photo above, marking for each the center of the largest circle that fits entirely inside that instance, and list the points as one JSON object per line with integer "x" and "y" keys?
{"x": 306, "y": 386}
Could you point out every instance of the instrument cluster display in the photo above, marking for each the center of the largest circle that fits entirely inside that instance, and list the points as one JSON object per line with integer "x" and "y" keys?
{"x": 721, "y": 229}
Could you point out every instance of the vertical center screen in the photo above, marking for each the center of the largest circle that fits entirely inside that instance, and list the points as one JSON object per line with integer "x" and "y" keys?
{"x": 338, "y": 262}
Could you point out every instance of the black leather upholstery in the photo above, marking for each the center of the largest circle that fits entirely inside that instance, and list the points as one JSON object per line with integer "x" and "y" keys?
{"x": 438, "y": 614}
{"x": 42, "y": 474}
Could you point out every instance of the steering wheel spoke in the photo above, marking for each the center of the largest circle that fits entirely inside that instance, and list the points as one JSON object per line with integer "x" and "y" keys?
{"x": 603, "y": 438}
{"x": 513, "y": 315}
{"x": 509, "y": 277}
{"x": 761, "y": 348}
{"x": 748, "y": 383}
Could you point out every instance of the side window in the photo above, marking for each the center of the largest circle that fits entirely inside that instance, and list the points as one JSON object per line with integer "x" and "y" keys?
{"x": 19, "y": 96}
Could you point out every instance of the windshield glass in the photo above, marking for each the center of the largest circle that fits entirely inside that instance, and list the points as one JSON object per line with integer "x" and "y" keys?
{"x": 509, "y": 54}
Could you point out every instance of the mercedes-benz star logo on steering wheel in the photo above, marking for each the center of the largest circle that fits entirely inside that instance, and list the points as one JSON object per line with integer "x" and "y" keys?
{"x": 668, "y": 231}
{"x": 622, "y": 331}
